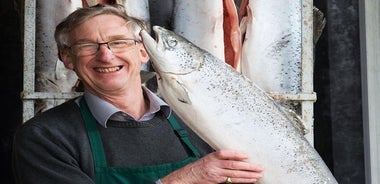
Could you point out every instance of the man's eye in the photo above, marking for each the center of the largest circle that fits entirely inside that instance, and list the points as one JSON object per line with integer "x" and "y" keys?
{"x": 85, "y": 46}
{"x": 119, "y": 43}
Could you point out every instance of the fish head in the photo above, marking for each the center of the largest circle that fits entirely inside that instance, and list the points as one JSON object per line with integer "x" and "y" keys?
{"x": 172, "y": 53}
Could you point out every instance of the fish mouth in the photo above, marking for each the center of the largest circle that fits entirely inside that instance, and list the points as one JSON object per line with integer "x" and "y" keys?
{"x": 165, "y": 42}
{"x": 149, "y": 42}
{"x": 147, "y": 39}
{"x": 108, "y": 69}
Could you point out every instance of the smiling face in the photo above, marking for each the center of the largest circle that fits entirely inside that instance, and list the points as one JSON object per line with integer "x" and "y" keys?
{"x": 106, "y": 72}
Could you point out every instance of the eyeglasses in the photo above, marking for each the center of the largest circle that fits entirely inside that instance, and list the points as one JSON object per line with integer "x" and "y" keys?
{"x": 116, "y": 46}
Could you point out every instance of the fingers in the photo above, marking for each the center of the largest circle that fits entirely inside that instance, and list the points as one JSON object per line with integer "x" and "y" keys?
{"x": 235, "y": 160}
{"x": 243, "y": 174}
{"x": 216, "y": 167}
{"x": 229, "y": 163}
{"x": 230, "y": 155}
{"x": 240, "y": 165}
{"x": 240, "y": 171}
{"x": 240, "y": 180}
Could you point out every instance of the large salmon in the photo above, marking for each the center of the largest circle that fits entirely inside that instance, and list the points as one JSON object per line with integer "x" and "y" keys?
{"x": 229, "y": 111}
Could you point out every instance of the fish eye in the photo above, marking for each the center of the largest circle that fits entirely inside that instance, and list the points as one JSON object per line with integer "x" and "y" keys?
{"x": 172, "y": 43}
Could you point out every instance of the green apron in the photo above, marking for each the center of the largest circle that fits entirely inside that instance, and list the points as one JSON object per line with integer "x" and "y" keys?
{"x": 130, "y": 175}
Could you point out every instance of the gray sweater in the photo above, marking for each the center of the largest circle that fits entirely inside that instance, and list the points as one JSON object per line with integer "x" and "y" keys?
{"x": 53, "y": 147}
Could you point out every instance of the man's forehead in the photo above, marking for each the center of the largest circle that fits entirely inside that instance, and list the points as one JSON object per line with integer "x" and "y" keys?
{"x": 105, "y": 27}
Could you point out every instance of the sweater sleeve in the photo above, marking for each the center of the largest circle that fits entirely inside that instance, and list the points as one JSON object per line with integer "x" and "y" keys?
{"x": 38, "y": 157}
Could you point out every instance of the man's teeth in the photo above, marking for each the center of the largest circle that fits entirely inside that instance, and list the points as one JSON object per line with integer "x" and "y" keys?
{"x": 105, "y": 70}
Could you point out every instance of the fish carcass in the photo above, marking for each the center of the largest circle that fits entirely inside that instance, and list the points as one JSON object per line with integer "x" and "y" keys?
{"x": 271, "y": 54}
{"x": 51, "y": 75}
{"x": 229, "y": 111}
{"x": 201, "y": 22}
{"x": 212, "y": 25}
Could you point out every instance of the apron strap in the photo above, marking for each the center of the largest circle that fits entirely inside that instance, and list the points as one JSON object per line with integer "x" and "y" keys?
{"x": 96, "y": 141}
{"x": 93, "y": 135}
{"x": 182, "y": 133}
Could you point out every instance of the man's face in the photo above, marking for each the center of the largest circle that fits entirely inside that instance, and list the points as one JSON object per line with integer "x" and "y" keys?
{"x": 105, "y": 71}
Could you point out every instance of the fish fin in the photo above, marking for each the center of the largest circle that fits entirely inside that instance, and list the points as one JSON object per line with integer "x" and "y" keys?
{"x": 181, "y": 93}
{"x": 296, "y": 120}
{"x": 59, "y": 67}
{"x": 319, "y": 23}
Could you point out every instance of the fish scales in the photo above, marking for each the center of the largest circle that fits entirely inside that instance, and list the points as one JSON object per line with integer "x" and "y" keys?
{"x": 229, "y": 111}
{"x": 198, "y": 17}
{"x": 271, "y": 54}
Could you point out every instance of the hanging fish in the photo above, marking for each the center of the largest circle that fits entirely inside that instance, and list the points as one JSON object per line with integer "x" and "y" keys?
{"x": 212, "y": 25}
{"x": 201, "y": 22}
{"x": 232, "y": 34}
{"x": 87, "y": 3}
{"x": 138, "y": 9}
{"x": 50, "y": 73}
{"x": 271, "y": 54}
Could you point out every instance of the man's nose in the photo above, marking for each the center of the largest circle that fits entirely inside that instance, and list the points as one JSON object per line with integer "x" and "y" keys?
{"x": 104, "y": 52}
{"x": 105, "y": 44}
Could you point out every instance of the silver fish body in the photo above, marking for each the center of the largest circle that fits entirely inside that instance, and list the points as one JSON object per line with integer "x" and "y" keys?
{"x": 51, "y": 75}
{"x": 272, "y": 47}
{"x": 229, "y": 111}
{"x": 201, "y": 22}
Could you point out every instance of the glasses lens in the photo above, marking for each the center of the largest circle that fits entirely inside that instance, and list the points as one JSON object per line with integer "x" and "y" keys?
{"x": 121, "y": 45}
{"x": 116, "y": 46}
{"x": 85, "y": 49}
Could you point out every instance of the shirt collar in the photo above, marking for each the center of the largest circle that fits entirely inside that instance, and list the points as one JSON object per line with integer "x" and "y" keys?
{"x": 103, "y": 110}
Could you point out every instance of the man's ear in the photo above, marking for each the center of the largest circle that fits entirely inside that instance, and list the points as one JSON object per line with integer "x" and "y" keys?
{"x": 144, "y": 54}
{"x": 66, "y": 59}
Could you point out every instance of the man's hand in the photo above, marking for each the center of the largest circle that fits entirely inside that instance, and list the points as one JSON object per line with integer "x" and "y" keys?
{"x": 216, "y": 167}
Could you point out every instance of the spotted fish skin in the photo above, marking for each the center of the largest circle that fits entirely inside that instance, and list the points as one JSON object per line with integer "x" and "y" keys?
{"x": 272, "y": 45}
{"x": 229, "y": 111}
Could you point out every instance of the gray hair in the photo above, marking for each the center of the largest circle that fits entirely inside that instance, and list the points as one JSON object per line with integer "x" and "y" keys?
{"x": 81, "y": 15}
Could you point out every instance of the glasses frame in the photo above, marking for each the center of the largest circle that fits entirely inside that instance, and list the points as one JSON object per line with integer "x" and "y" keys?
{"x": 98, "y": 44}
